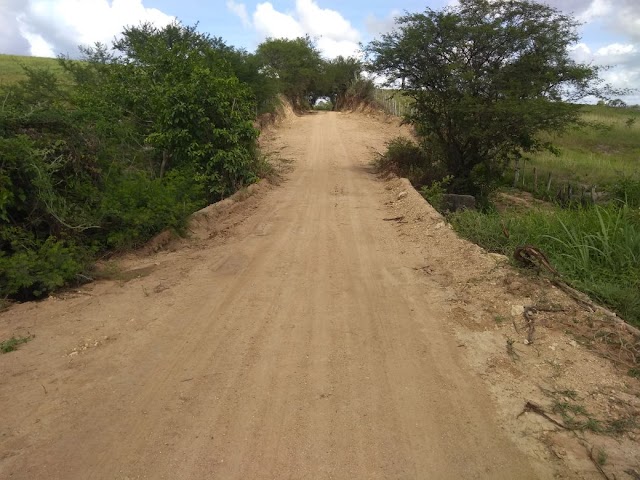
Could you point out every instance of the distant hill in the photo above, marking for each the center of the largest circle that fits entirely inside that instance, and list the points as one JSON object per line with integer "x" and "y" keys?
{"x": 11, "y": 67}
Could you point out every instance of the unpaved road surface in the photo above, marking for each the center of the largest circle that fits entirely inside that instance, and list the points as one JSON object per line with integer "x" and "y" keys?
{"x": 300, "y": 341}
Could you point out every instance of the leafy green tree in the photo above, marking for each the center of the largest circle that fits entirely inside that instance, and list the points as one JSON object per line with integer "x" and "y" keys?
{"x": 296, "y": 65}
{"x": 340, "y": 74}
{"x": 485, "y": 78}
{"x": 177, "y": 90}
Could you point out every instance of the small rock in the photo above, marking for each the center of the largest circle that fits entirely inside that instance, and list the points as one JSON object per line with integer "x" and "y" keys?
{"x": 573, "y": 343}
{"x": 517, "y": 310}
{"x": 498, "y": 257}
{"x": 526, "y": 342}
{"x": 401, "y": 195}
{"x": 73, "y": 354}
{"x": 553, "y": 346}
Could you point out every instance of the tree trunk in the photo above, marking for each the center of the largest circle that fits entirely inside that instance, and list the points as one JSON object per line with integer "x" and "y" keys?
{"x": 165, "y": 161}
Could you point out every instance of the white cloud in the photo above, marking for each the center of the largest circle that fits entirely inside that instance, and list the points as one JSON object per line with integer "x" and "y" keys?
{"x": 51, "y": 27}
{"x": 334, "y": 35}
{"x": 239, "y": 9}
{"x": 271, "y": 23}
{"x": 597, "y": 9}
{"x": 325, "y": 23}
{"x": 377, "y": 26}
{"x": 623, "y": 61}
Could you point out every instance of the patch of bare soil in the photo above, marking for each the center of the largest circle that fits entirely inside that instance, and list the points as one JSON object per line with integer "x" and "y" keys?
{"x": 518, "y": 200}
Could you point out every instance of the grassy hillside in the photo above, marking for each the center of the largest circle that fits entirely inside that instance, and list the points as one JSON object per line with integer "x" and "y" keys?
{"x": 598, "y": 154}
{"x": 12, "y": 67}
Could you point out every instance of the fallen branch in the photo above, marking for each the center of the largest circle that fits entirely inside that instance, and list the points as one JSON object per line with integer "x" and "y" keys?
{"x": 537, "y": 409}
{"x": 394, "y": 219}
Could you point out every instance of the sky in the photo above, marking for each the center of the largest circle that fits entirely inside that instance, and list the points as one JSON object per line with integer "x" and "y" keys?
{"x": 610, "y": 31}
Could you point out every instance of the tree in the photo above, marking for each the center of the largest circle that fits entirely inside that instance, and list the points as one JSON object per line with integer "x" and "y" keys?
{"x": 617, "y": 103}
{"x": 177, "y": 91}
{"x": 486, "y": 77}
{"x": 296, "y": 64}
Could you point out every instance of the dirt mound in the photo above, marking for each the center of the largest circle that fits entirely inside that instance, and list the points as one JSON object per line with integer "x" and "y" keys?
{"x": 283, "y": 114}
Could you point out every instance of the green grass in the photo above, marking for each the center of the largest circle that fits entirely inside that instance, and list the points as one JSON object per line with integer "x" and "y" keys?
{"x": 593, "y": 155}
{"x": 12, "y": 344}
{"x": 596, "y": 249}
{"x": 12, "y": 67}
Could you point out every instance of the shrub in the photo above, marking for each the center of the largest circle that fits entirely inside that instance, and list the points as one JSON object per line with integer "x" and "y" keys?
{"x": 36, "y": 268}
{"x": 136, "y": 207}
{"x": 408, "y": 159}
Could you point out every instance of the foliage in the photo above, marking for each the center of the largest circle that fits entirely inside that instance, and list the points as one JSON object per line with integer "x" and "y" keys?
{"x": 626, "y": 190}
{"x": 118, "y": 147}
{"x": 485, "y": 79}
{"x": 597, "y": 249}
{"x": 323, "y": 106}
{"x": 434, "y": 192}
{"x": 408, "y": 159}
{"x": 296, "y": 65}
{"x": 344, "y": 84}
{"x": 12, "y": 344}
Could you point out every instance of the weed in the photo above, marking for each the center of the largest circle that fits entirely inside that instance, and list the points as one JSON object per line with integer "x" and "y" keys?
{"x": 433, "y": 194}
{"x": 500, "y": 319}
{"x": 12, "y": 344}
{"x": 601, "y": 457}
{"x": 634, "y": 372}
{"x": 622, "y": 425}
{"x": 572, "y": 394}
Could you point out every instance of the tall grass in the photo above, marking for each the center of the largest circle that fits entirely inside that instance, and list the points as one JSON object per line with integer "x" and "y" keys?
{"x": 596, "y": 249}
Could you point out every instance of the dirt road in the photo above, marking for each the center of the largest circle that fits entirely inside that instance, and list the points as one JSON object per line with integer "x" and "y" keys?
{"x": 299, "y": 342}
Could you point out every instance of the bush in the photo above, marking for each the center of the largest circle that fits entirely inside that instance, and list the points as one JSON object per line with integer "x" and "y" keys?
{"x": 136, "y": 207}
{"x": 35, "y": 269}
{"x": 137, "y": 138}
{"x": 408, "y": 159}
{"x": 434, "y": 192}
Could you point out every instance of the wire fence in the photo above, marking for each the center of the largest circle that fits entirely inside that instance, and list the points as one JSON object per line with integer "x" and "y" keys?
{"x": 393, "y": 102}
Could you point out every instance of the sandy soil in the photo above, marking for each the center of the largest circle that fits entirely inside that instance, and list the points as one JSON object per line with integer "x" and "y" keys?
{"x": 300, "y": 334}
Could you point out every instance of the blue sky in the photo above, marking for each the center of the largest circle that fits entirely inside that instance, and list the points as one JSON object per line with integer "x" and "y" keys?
{"x": 610, "y": 35}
